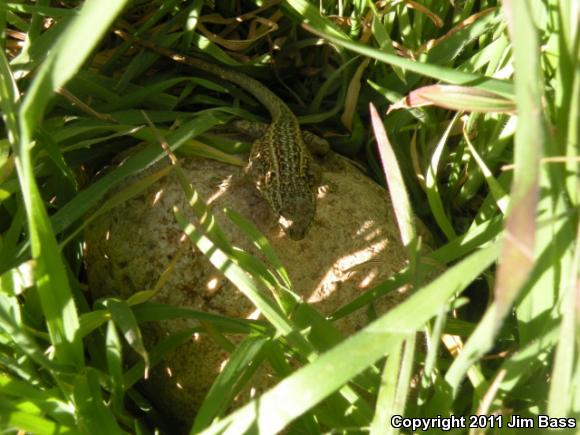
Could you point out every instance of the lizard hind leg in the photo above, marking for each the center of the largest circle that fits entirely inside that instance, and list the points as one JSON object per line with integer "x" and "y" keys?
{"x": 316, "y": 145}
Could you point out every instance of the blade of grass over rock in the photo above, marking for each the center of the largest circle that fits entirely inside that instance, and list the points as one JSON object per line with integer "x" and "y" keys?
{"x": 391, "y": 284}
{"x": 297, "y": 394}
{"x": 322, "y": 334}
{"x": 222, "y": 255}
{"x": 220, "y": 252}
{"x": 261, "y": 243}
{"x": 145, "y": 295}
{"x": 149, "y": 311}
{"x": 207, "y": 220}
{"x": 284, "y": 297}
{"x": 476, "y": 237}
{"x": 448, "y": 253}
{"x": 226, "y": 262}
{"x": 222, "y": 261}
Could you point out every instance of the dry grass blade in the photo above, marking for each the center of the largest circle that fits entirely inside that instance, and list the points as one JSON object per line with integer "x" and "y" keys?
{"x": 461, "y": 98}
{"x": 401, "y": 203}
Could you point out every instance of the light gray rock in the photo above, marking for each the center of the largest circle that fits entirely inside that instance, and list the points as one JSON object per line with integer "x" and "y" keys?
{"x": 352, "y": 245}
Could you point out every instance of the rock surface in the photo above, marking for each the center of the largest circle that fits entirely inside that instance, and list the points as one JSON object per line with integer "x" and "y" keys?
{"x": 352, "y": 245}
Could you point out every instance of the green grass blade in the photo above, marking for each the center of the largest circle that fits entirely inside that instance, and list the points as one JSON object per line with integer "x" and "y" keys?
{"x": 68, "y": 54}
{"x": 93, "y": 414}
{"x": 385, "y": 407}
{"x": 9, "y": 100}
{"x": 114, "y": 355}
{"x": 11, "y": 324}
{"x": 297, "y": 394}
{"x": 91, "y": 196}
{"x": 499, "y": 195}
{"x": 222, "y": 261}
{"x": 261, "y": 243}
{"x": 516, "y": 261}
{"x": 432, "y": 186}
{"x": 149, "y": 312}
{"x": 13, "y": 418}
{"x": 50, "y": 404}
{"x": 126, "y": 321}
{"x": 156, "y": 355}
{"x": 241, "y": 363}
{"x": 444, "y": 74}
{"x": 561, "y": 395}
{"x": 397, "y": 189}
{"x": 63, "y": 61}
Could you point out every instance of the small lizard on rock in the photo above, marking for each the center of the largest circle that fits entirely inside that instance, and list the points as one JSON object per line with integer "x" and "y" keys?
{"x": 280, "y": 164}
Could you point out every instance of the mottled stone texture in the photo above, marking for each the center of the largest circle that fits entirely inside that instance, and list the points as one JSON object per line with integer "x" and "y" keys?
{"x": 352, "y": 245}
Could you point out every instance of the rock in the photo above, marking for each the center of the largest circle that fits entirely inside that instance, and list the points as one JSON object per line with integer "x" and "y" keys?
{"x": 352, "y": 245}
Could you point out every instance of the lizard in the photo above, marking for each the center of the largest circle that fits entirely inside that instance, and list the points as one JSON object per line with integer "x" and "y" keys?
{"x": 280, "y": 164}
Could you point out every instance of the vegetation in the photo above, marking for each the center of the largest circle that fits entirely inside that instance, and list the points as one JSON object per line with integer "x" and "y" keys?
{"x": 480, "y": 141}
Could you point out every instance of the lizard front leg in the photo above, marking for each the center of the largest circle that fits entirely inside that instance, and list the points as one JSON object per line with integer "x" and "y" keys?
{"x": 256, "y": 130}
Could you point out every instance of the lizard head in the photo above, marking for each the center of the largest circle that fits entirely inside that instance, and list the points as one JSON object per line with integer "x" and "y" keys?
{"x": 297, "y": 212}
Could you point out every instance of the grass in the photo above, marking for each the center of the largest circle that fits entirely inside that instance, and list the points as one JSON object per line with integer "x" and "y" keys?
{"x": 468, "y": 111}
